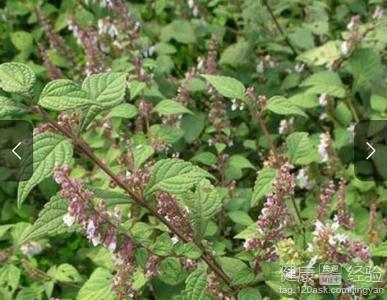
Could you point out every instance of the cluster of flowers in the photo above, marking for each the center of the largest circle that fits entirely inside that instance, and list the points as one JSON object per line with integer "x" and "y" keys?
{"x": 217, "y": 108}
{"x": 324, "y": 146}
{"x": 274, "y": 217}
{"x": 88, "y": 39}
{"x": 329, "y": 245}
{"x": 168, "y": 207}
{"x": 354, "y": 37}
{"x": 325, "y": 200}
{"x": 96, "y": 221}
{"x": 100, "y": 227}
{"x": 266, "y": 62}
{"x": 57, "y": 43}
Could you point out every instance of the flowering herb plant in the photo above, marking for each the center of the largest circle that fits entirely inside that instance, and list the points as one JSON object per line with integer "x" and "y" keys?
{"x": 192, "y": 149}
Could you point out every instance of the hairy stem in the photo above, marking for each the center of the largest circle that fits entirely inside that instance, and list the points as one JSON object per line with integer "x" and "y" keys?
{"x": 299, "y": 217}
{"x": 353, "y": 109}
{"x": 269, "y": 140}
{"x": 35, "y": 272}
{"x": 140, "y": 200}
{"x": 279, "y": 27}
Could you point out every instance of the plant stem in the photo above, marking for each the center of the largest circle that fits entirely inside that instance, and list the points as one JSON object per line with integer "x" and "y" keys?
{"x": 353, "y": 110}
{"x": 81, "y": 144}
{"x": 268, "y": 138}
{"x": 279, "y": 27}
{"x": 299, "y": 217}
{"x": 43, "y": 275}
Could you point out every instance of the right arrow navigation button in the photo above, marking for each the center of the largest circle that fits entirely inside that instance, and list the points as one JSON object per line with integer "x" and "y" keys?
{"x": 372, "y": 150}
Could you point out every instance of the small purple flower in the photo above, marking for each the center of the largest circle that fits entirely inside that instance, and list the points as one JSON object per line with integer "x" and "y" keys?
{"x": 329, "y": 245}
{"x": 359, "y": 250}
{"x": 168, "y": 207}
{"x": 323, "y": 147}
{"x": 274, "y": 218}
{"x": 342, "y": 217}
{"x": 325, "y": 201}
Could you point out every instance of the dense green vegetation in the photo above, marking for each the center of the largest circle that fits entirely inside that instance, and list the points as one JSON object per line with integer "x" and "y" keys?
{"x": 193, "y": 149}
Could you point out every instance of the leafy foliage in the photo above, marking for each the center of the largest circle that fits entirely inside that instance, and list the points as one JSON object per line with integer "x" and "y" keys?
{"x": 203, "y": 204}
{"x": 189, "y": 150}
{"x": 174, "y": 176}
{"x": 50, "y": 150}
{"x": 16, "y": 78}
{"x": 97, "y": 287}
{"x": 50, "y": 220}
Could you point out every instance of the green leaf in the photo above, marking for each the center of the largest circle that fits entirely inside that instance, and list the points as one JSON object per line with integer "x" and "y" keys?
{"x": 141, "y": 232}
{"x": 9, "y": 279}
{"x": 97, "y": 287}
{"x": 240, "y": 217}
{"x": 206, "y": 158}
{"x": 378, "y": 103}
{"x": 203, "y": 204}
{"x": 305, "y": 100}
{"x": 299, "y": 148}
{"x": 4, "y": 229}
{"x": 282, "y": 106}
{"x": 170, "y": 107}
{"x": 179, "y": 30}
{"x": 305, "y": 296}
{"x": 365, "y": 66}
{"x": 9, "y": 107}
{"x": 163, "y": 245}
{"x": 139, "y": 279}
{"x": 237, "y": 270}
{"x": 50, "y": 149}
{"x": 174, "y": 176}
{"x": 240, "y": 162}
{"x": 64, "y": 94}
{"x": 22, "y": 40}
{"x": 124, "y": 111}
{"x": 136, "y": 87}
{"x": 101, "y": 257}
{"x": 88, "y": 114}
{"x": 28, "y": 293}
{"x": 302, "y": 38}
{"x": 196, "y": 284}
{"x": 322, "y": 55}
{"x": 66, "y": 273}
{"x": 19, "y": 230}
{"x": 192, "y": 126}
{"x": 380, "y": 250}
{"x": 105, "y": 89}
{"x": 16, "y": 78}
{"x": 171, "y": 271}
{"x": 343, "y": 114}
{"x": 227, "y": 86}
{"x": 326, "y": 82}
{"x": 249, "y": 294}
{"x": 188, "y": 250}
{"x": 141, "y": 153}
{"x": 263, "y": 185}
{"x": 248, "y": 233}
{"x": 50, "y": 220}
{"x": 236, "y": 54}
{"x": 167, "y": 134}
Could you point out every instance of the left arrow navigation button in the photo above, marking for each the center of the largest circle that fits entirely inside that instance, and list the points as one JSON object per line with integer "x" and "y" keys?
{"x": 14, "y": 151}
